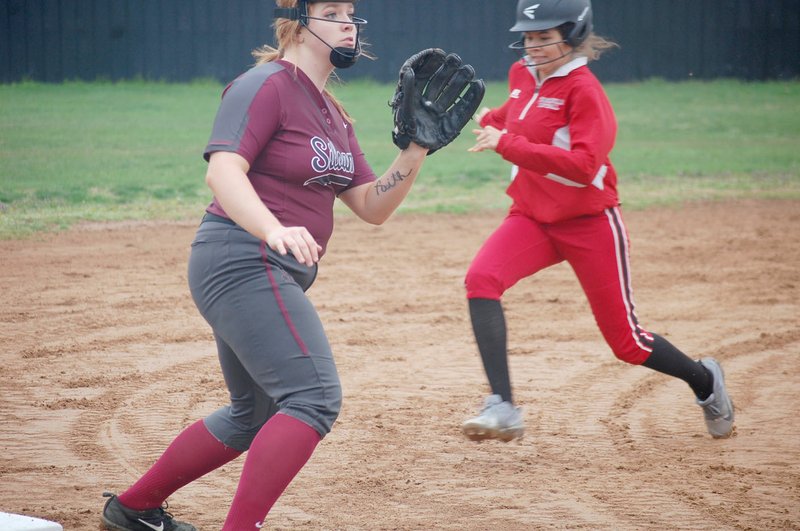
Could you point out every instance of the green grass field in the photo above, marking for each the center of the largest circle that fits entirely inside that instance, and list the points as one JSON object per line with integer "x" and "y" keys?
{"x": 111, "y": 151}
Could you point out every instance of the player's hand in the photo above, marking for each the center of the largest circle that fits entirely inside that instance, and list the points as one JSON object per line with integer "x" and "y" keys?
{"x": 295, "y": 240}
{"x": 480, "y": 114}
{"x": 486, "y": 138}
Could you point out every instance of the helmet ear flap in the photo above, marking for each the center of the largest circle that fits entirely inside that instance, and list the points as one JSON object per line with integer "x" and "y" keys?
{"x": 578, "y": 34}
{"x": 567, "y": 31}
{"x": 574, "y": 34}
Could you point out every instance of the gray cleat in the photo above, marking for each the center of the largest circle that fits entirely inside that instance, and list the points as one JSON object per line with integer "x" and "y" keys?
{"x": 497, "y": 420}
{"x": 717, "y": 408}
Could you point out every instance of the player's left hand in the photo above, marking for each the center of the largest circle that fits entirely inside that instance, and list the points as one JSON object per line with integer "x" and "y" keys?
{"x": 486, "y": 138}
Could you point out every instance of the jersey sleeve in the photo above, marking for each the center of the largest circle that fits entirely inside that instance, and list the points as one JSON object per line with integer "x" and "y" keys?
{"x": 592, "y": 131}
{"x": 497, "y": 116}
{"x": 248, "y": 116}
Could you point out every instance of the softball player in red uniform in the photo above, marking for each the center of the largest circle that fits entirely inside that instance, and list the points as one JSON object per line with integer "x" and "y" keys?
{"x": 281, "y": 150}
{"x": 557, "y": 128}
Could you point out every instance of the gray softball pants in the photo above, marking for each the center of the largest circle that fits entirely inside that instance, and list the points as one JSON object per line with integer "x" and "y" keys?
{"x": 272, "y": 348}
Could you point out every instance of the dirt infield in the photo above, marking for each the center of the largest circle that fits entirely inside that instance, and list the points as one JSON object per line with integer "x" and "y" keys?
{"x": 104, "y": 359}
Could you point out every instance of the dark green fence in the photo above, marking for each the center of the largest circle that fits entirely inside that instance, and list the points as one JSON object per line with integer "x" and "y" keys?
{"x": 180, "y": 40}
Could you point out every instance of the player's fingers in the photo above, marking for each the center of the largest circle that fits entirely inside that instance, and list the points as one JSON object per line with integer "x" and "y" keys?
{"x": 279, "y": 247}
{"x": 300, "y": 251}
{"x": 313, "y": 247}
{"x": 481, "y": 138}
{"x": 304, "y": 247}
{"x": 300, "y": 254}
{"x": 308, "y": 245}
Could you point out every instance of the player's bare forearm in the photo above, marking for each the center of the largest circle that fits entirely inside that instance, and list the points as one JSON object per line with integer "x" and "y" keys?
{"x": 375, "y": 202}
{"x": 227, "y": 178}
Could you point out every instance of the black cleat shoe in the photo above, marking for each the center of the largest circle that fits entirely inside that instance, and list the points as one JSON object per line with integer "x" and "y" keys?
{"x": 117, "y": 517}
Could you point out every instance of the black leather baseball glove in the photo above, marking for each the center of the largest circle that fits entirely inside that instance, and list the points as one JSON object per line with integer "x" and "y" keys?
{"x": 436, "y": 96}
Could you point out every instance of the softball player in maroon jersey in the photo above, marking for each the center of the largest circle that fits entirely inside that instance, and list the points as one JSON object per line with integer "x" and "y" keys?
{"x": 281, "y": 150}
{"x": 557, "y": 128}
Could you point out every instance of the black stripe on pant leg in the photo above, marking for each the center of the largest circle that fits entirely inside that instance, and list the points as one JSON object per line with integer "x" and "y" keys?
{"x": 624, "y": 253}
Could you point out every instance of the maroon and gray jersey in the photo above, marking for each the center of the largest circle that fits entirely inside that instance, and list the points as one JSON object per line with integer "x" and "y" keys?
{"x": 302, "y": 152}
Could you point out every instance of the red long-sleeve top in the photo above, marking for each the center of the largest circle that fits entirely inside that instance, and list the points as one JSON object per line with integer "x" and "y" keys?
{"x": 559, "y": 134}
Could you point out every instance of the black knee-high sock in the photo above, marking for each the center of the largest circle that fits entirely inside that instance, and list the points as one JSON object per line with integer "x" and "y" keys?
{"x": 669, "y": 360}
{"x": 489, "y": 325}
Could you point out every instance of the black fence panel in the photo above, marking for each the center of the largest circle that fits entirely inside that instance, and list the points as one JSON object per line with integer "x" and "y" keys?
{"x": 475, "y": 29}
{"x": 181, "y": 40}
{"x": 682, "y": 39}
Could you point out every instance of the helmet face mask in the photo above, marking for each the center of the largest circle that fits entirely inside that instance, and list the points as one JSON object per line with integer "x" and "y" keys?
{"x": 543, "y": 41}
{"x": 539, "y": 15}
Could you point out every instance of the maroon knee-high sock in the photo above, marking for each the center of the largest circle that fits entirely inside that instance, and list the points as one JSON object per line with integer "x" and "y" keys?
{"x": 279, "y": 451}
{"x": 193, "y": 453}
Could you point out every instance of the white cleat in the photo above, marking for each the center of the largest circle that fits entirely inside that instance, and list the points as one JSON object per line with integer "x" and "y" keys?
{"x": 497, "y": 420}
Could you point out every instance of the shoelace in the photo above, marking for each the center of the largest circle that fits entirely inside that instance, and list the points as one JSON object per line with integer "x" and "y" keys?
{"x": 161, "y": 515}
{"x": 713, "y": 409}
{"x": 165, "y": 515}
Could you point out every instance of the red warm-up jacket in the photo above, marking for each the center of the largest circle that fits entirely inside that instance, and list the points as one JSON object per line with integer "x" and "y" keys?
{"x": 559, "y": 134}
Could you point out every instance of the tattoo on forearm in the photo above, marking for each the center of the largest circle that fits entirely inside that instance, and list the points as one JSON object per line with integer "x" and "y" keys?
{"x": 393, "y": 180}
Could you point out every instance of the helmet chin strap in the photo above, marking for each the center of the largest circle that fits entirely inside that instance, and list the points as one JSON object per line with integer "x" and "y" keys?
{"x": 341, "y": 57}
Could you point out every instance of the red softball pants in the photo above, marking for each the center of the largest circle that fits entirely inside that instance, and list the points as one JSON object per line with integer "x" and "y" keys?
{"x": 597, "y": 249}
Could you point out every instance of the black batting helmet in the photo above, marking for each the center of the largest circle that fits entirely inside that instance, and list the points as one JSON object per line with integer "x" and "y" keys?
{"x": 539, "y": 15}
